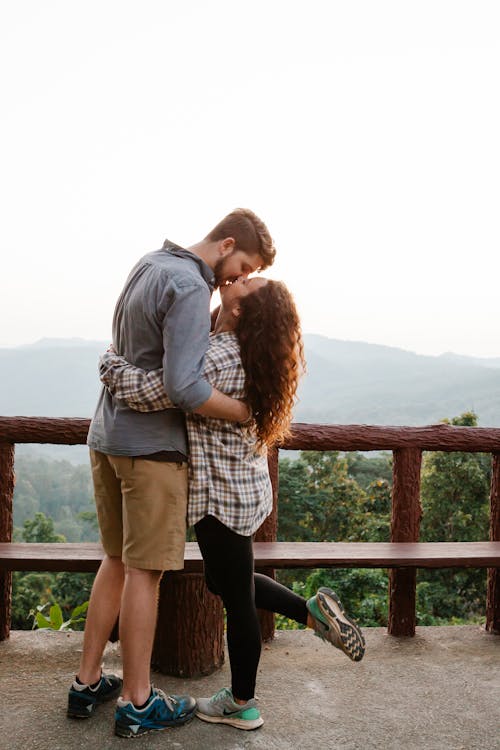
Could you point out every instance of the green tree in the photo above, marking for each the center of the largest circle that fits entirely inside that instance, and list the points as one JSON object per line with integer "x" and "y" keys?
{"x": 294, "y": 503}
{"x": 29, "y": 590}
{"x": 40, "y": 529}
{"x": 455, "y": 504}
{"x": 369, "y": 469}
{"x": 58, "y": 489}
{"x": 374, "y": 522}
{"x": 319, "y": 500}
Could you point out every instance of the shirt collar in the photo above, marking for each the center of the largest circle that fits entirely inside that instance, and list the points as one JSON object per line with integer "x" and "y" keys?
{"x": 205, "y": 270}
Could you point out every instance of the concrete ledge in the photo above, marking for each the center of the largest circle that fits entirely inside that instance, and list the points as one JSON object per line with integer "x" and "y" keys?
{"x": 437, "y": 691}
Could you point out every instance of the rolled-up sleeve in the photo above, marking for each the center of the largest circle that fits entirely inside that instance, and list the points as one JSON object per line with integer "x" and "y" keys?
{"x": 186, "y": 329}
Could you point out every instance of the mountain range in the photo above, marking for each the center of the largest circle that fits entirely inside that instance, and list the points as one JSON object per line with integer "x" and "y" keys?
{"x": 347, "y": 382}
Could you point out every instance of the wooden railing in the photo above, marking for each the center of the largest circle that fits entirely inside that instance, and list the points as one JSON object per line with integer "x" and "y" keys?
{"x": 406, "y": 444}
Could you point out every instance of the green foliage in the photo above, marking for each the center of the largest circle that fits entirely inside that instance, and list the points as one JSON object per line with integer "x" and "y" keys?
{"x": 30, "y": 590}
{"x": 59, "y": 490}
{"x": 451, "y": 597}
{"x": 321, "y": 499}
{"x": 55, "y": 620}
{"x": 455, "y": 504}
{"x": 329, "y": 496}
{"x": 318, "y": 500}
{"x": 33, "y": 590}
{"x": 367, "y": 470}
{"x": 40, "y": 529}
{"x": 363, "y": 592}
{"x": 455, "y": 493}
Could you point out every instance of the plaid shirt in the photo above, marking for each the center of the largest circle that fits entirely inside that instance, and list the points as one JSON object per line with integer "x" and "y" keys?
{"x": 228, "y": 478}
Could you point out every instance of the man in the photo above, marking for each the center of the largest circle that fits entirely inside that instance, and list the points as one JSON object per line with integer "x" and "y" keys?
{"x": 139, "y": 461}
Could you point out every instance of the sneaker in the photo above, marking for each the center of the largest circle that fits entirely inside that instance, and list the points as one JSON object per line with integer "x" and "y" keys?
{"x": 161, "y": 711}
{"x": 84, "y": 699}
{"x": 221, "y": 708}
{"x": 333, "y": 625}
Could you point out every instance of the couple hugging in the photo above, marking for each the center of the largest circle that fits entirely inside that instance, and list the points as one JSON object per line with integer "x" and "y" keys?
{"x": 189, "y": 412}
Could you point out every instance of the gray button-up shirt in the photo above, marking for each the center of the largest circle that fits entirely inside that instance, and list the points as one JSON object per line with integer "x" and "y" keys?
{"x": 161, "y": 321}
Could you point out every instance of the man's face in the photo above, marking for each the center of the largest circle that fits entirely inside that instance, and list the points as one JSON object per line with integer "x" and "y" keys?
{"x": 236, "y": 265}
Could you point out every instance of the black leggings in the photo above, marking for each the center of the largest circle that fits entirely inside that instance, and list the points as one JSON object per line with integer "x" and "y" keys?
{"x": 229, "y": 573}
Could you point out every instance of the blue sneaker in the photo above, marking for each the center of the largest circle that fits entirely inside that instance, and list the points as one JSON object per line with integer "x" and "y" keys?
{"x": 160, "y": 712}
{"x": 221, "y": 708}
{"x": 84, "y": 699}
{"x": 333, "y": 625}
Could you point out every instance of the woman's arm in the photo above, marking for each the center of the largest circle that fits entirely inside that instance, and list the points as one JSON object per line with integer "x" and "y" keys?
{"x": 141, "y": 390}
{"x": 144, "y": 390}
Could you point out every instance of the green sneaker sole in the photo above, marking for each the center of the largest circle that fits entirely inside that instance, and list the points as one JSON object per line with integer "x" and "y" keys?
{"x": 232, "y": 721}
{"x": 348, "y": 636}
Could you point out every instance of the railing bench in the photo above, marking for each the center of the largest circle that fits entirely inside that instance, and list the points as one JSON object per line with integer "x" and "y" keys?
{"x": 86, "y": 556}
{"x": 173, "y": 652}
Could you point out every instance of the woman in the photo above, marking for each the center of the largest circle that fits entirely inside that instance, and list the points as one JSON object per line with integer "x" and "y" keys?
{"x": 256, "y": 354}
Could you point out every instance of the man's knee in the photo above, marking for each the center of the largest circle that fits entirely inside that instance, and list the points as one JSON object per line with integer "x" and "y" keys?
{"x": 138, "y": 575}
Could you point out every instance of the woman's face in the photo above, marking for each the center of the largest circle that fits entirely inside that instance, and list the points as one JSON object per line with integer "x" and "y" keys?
{"x": 230, "y": 294}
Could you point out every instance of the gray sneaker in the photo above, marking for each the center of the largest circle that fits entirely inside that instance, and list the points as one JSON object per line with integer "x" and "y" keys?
{"x": 221, "y": 708}
{"x": 333, "y": 625}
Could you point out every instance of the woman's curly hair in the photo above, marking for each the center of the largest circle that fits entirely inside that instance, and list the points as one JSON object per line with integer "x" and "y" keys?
{"x": 272, "y": 353}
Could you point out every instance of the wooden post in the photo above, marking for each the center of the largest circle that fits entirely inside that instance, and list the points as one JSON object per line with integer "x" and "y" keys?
{"x": 189, "y": 640}
{"x": 405, "y": 527}
{"x": 7, "y": 481}
{"x": 493, "y": 594}
{"x": 268, "y": 532}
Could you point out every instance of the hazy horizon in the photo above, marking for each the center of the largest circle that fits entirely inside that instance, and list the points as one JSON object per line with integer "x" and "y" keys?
{"x": 364, "y": 134}
{"x": 79, "y": 340}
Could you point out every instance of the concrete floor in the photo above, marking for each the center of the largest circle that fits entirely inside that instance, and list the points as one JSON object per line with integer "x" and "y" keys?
{"x": 437, "y": 691}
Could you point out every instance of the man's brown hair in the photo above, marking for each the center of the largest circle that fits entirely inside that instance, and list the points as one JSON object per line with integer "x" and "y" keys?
{"x": 249, "y": 232}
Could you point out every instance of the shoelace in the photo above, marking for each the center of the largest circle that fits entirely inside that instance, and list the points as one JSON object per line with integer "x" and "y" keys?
{"x": 219, "y": 697}
{"x": 169, "y": 699}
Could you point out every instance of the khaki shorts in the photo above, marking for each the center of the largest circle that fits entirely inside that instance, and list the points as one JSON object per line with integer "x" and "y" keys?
{"x": 141, "y": 508}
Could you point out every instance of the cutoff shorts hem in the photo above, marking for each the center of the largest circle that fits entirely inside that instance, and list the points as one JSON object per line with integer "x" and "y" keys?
{"x": 166, "y": 565}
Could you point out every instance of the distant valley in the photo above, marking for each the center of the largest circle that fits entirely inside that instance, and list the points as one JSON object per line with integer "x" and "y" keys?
{"x": 347, "y": 382}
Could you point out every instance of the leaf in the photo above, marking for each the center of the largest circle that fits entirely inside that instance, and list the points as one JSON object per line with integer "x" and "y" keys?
{"x": 56, "y": 617}
{"x": 41, "y": 621}
{"x": 80, "y": 610}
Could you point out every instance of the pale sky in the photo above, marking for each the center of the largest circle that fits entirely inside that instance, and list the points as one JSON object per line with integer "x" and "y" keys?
{"x": 365, "y": 134}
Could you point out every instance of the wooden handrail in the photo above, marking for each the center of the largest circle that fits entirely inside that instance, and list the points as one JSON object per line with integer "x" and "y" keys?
{"x": 325, "y": 437}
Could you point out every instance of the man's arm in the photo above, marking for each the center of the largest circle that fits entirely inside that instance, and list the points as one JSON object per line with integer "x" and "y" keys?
{"x": 185, "y": 342}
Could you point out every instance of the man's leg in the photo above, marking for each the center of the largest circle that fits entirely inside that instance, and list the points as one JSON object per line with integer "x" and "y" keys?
{"x": 137, "y": 629}
{"x": 90, "y": 688}
{"x": 104, "y": 607}
{"x": 154, "y": 531}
